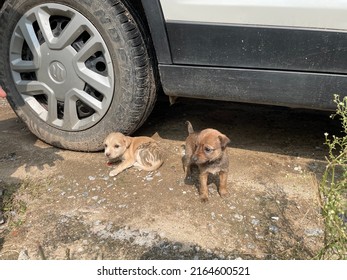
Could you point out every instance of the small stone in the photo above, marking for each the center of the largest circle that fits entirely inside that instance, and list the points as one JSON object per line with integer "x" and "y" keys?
{"x": 314, "y": 232}
{"x": 101, "y": 200}
{"x": 148, "y": 178}
{"x": 91, "y": 178}
{"x": 259, "y": 236}
{"x": 255, "y": 222}
{"x": 23, "y": 255}
{"x": 238, "y": 217}
{"x": 274, "y": 218}
{"x": 105, "y": 178}
{"x": 298, "y": 168}
{"x": 273, "y": 229}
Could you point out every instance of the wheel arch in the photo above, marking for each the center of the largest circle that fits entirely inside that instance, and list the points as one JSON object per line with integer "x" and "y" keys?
{"x": 151, "y": 14}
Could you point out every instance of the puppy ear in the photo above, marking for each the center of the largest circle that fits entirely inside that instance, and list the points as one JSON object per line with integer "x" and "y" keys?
{"x": 190, "y": 127}
{"x": 224, "y": 140}
{"x": 127, "y": 140}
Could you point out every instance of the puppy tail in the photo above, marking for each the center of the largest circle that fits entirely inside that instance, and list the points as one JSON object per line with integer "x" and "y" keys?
{"x": 190, "y": 127}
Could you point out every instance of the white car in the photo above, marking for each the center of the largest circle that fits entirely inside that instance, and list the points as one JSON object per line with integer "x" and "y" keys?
{"x": 76, "y": 70}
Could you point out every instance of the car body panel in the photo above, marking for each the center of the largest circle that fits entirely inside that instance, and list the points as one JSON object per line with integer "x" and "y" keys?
{"x": 325, "y": 14}
{"x": 268, "y": 52}
{"x": 270, "y": 87}
{"x": 258, "y": 47}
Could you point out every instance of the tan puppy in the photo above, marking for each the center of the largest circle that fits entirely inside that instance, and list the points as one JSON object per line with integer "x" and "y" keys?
{"x": 207, "y": 150}
{"x": 141, "y": 152}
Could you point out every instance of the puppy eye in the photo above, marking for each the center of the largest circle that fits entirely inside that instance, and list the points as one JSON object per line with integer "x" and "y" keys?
{"x": 105, "y": 145}
{"x": 116, "y": 146}
{"x": 208, "y": 150}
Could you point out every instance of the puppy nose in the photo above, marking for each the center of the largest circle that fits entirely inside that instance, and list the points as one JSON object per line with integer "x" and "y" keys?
{"x": 107, "y": 154}
{"x": 194, "y": 158}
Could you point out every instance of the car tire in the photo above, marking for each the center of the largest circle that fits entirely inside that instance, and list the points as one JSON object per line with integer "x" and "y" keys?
{"x": 74, "y": 81}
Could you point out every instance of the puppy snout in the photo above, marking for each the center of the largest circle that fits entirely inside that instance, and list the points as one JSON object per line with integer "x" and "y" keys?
{"x": 195, "y": 158}
{"x": 108, "y": 154}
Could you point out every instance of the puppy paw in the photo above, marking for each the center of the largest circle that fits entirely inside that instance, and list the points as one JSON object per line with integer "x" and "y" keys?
{"x": 203, "y": 198}
{"x": 188, "y": 180}
{"x": 223, "y": 193}
{"x": 113, "y": 173}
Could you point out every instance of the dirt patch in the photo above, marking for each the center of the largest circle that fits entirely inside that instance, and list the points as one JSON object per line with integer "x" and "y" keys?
{"x": 74, "y": 210}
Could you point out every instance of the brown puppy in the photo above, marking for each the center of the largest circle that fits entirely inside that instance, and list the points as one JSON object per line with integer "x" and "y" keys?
{"x": 141, "y": 152}
{"x": 207, "y": 149}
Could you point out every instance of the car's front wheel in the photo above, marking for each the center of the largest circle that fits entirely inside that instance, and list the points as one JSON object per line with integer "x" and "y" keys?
{"x": 76, "y": 70}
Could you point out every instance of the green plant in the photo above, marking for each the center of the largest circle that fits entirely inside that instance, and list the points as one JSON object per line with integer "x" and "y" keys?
{"x": 15, "y": 200}
{"x": 13, "y": 207}
{"x": 333, "y": 189}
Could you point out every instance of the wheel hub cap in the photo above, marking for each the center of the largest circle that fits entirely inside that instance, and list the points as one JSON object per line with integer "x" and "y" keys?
{"x": 61, "y": 67}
